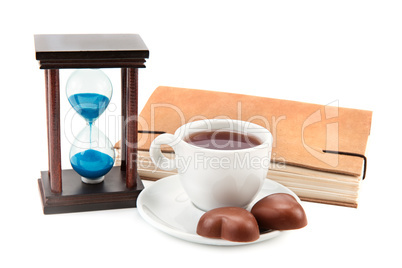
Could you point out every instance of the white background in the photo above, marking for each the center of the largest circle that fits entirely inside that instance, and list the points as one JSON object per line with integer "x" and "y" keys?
{"x": 312, "y": 51}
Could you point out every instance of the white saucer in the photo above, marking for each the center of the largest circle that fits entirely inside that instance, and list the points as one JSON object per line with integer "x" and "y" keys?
{"x": 166, "y": 206}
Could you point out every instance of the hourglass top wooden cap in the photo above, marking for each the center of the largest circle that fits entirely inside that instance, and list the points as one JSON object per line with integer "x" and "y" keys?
{"x": 61, "y": 51}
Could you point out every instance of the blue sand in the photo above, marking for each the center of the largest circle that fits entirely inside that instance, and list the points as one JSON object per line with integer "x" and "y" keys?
{"x": 89, "y": 105}
{"x": 91, "y": 164}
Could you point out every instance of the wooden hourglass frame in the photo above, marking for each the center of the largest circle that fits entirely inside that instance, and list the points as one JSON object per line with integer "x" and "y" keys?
{"x": 62, "y": 190}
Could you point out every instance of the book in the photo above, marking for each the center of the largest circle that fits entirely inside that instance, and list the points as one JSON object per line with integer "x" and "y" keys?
{"x": 318, "y": 150}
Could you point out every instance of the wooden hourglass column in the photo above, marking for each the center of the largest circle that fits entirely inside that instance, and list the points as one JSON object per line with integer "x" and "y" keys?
{"x": 53, "y": 128}
{"x": 129, "y": 125}
{"x": 123, "y": 119}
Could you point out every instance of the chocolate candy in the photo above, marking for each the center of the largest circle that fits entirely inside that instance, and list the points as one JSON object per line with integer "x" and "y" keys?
{"x": 229, "y": 223}
{"x": 279, "y": 212}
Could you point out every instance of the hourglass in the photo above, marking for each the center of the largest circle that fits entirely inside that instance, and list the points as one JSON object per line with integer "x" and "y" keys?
{"x": 93, "y": 183}
{"x": 92, "y": 154}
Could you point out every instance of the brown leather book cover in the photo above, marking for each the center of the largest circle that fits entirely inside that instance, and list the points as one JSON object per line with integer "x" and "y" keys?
{"x": 301, "y": 131}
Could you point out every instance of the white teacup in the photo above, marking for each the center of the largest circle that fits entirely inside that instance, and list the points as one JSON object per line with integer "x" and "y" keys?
{"x": 215, "y": 178}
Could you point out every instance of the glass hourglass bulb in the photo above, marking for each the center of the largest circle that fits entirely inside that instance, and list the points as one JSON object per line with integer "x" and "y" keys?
{"x": 89, "y": 92}
{"x": 92, "y": 154}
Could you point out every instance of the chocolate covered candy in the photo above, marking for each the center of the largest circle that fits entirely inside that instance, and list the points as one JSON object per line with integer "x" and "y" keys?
{"x": 279, "y": 212}
{"x": 229, "y": 223}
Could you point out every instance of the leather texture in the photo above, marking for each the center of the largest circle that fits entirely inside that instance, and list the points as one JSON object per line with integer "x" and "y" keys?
{"x": 300, "y": 130}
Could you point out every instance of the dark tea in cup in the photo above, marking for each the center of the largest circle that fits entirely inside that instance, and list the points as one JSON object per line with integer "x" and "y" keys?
{"x": 222, "y": 140}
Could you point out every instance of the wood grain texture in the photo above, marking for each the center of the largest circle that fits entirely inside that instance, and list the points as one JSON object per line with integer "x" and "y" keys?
{"x": 77, "y": 196}
{"x": 72, "y": 51}
{"x": 90, "y": 46}
{"x": 53, "y": 126}
{"x": 82, "y": 64}
{"x": 123, "y": 118}
{"x": 131, "y": 126}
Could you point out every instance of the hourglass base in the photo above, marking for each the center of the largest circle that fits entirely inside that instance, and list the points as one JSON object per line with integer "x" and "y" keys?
{"x": 77, "y": 196}
{"x": 92, "y": 181}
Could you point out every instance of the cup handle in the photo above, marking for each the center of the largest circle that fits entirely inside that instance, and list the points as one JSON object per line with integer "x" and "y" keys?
{"x": 157, "y": 157}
